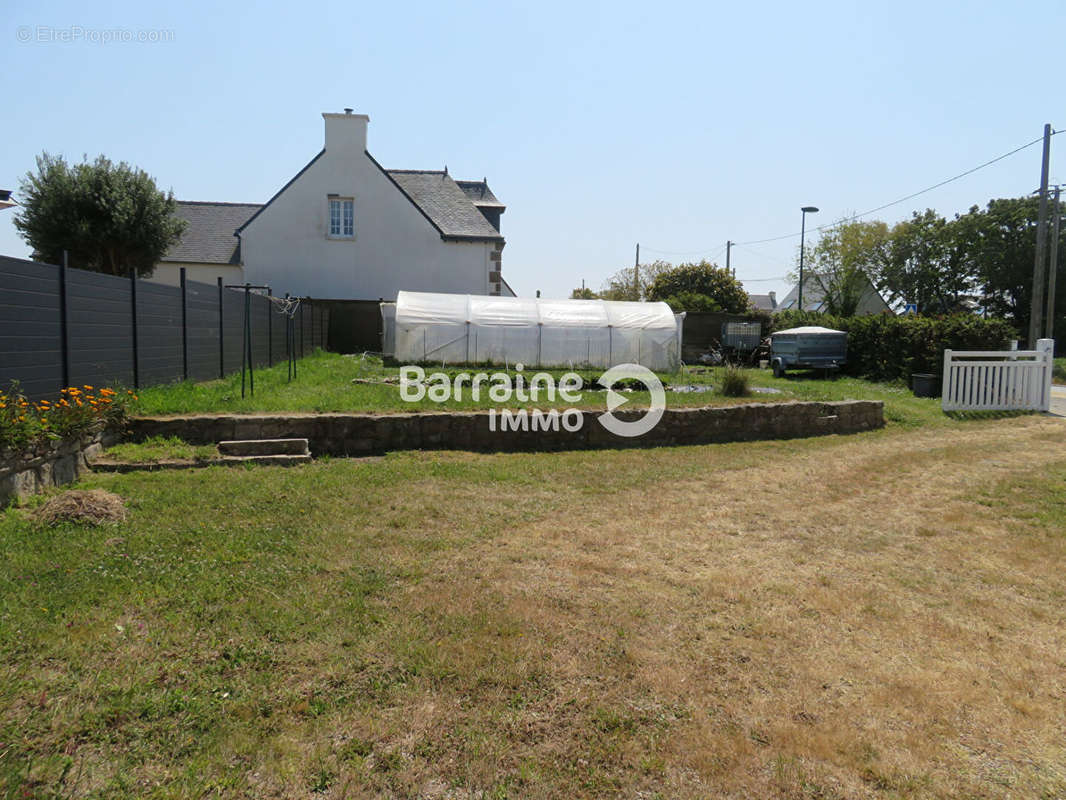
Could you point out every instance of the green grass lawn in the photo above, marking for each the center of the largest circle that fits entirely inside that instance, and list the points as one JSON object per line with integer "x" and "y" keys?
{"x": 160, "y": 448}
{"x": 332, "y": 382}
{"x": 1060, "y": 370}
{"x": 679, "y": 622}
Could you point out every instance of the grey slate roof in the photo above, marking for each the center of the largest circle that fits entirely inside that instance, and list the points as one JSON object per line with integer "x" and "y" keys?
{"x": 480, "y": 194}
{"x": 763, "y": 302}
{"x": 209, "y": 235}
{"x": 445, "y": 203}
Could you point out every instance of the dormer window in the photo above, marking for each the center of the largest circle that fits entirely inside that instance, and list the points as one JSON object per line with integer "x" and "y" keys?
{"x": 341, "y": 217}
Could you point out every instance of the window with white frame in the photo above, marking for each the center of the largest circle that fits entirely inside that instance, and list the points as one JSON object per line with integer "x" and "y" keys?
{"x": 341, "y": 217}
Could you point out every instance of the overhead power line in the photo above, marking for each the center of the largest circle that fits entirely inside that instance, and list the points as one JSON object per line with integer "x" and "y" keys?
{"x": 908, "y": 197}
{"x": 716, "y": 251}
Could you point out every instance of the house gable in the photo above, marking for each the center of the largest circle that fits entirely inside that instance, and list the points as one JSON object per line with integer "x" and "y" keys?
{"x": 414, "y": 230}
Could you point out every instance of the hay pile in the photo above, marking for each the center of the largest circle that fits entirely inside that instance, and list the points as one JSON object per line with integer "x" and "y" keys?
{"x": 91, "y": 507}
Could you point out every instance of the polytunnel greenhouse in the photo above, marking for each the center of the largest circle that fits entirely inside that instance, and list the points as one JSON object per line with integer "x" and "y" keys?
{"x": 473, "y": 329}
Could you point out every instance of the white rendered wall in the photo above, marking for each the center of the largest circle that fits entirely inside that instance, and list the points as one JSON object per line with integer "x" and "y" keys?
{"x": 395, "y": 247}
{"x": 169, "y": 272}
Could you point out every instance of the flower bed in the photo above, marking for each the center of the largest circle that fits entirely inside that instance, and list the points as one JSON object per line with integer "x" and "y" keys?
{"x": 49, "y": 442}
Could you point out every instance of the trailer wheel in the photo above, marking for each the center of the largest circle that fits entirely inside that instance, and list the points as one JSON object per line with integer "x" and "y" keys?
{"x": 779, "y": 368}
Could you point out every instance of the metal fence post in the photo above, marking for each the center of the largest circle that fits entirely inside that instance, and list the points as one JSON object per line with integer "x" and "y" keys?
{"x": 221, "y": 349}
{"x": 184, "y": 328}
{"x": 64, "y": 329}
{"x": 302, "y": 353}
{"x": 133, "y": 314}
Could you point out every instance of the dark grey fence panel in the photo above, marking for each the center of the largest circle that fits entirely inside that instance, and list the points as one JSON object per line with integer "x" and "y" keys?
{"x": 353, "y": 326}
{"x": 233, "y": 324}
{"x": 305, "y": 328}
{"x": 30, "y": 344}
{"x": 158, "y": 333}
{"x": 319, "y": 330}
{"x": 100, "y": 329}
{"x": 323, "y": 323}
{"x": 202, "y": 299}
{"x": 277, "y": 335}
{"x": 261, "y": 311}
{"x": 100, "y": 321}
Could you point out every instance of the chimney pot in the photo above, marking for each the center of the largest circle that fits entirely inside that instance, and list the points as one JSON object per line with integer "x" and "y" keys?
{"x": 348, "y": 110}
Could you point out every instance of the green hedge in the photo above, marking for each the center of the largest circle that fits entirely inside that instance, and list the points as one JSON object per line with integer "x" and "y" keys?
{"x": 888, "y": 348}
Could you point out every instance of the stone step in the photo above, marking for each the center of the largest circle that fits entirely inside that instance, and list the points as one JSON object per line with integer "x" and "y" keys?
{"x": 283, "y": 460}
{"x": 264, "y": 447}
{"x": 272, "y": 459}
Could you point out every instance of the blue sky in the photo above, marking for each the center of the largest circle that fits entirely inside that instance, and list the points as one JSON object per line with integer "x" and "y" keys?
{"x": 676, "y": 125}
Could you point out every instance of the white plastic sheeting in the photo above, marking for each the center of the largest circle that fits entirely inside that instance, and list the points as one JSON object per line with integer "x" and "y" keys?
{"x": 473, "y": 329}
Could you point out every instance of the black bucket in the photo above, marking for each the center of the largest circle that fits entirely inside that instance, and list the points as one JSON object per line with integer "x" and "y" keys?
{"x": 924, "y": 384}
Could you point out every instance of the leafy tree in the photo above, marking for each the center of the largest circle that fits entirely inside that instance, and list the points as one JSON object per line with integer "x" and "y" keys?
{"x": 584, "y": 293}
{"x": 691, "y": 301}
{"x": 109, "y": 217}
{"x": 842, "y": 262}
{"x": 928, "y": 261}
{"x": 685, "y": 282}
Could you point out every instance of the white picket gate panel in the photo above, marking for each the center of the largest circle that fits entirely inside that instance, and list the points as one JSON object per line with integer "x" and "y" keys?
{"x": 998, "y": 380}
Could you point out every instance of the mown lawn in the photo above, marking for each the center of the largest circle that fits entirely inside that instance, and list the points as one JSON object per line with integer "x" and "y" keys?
{"x": 333, "y": 382}
{"x": 867, "y": 616}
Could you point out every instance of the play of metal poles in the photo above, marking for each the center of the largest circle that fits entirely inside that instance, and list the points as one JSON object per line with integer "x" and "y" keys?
{"x": 247, "y": 362}
{"x": 287, "y": 306}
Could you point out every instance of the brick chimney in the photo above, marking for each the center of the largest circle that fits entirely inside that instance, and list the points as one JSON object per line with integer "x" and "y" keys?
{"x": 346, "y": 132}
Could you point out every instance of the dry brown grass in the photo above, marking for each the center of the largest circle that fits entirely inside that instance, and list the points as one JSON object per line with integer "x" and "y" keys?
{"x": 82, "y": 507}
{"x": 852, "y": 623}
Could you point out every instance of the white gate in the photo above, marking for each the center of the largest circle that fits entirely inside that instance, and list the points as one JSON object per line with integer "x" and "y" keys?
{"x": 998, "y": 380}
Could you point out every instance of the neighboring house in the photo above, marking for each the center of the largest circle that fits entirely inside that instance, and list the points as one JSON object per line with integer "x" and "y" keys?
{"x": 814, "y": 298}
{"x": 764, "y": 302}
{"x": 208, "y": 249}
{"x": 346, "y": 228}
{"x": 5, "y": 199}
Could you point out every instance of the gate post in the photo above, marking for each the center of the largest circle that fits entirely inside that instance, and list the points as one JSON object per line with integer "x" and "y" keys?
{"x": 946, "y": 389}
{"x": 1046, "y": 347}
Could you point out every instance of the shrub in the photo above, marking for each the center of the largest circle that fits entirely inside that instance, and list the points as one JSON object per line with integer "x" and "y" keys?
{"x": 889, "y": 348}
{"x": 24, "y": 424}
{"x": 691, "y": 301}
{"x": 733, "y": 382}
{"x": 704, "y": 278}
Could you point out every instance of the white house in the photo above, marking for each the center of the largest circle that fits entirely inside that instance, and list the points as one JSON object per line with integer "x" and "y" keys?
{"x": 871, "y": 301}
{"x": 346, "y": 228}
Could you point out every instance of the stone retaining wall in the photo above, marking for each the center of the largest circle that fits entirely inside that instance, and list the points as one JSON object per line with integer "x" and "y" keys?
{"x": 48, "y": 465}
{"x": 365, "y": 434}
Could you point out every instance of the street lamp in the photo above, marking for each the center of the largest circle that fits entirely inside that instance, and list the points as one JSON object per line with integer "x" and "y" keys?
{"x": 803, "y": 235}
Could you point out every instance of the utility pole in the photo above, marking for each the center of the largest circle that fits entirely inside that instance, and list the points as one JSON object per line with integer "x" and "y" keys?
{"x": 1053, "y": 264}
{"x": 1041, "y": 246}
{"x": 636, "y": 273}
{"x": 728, "y": 247}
